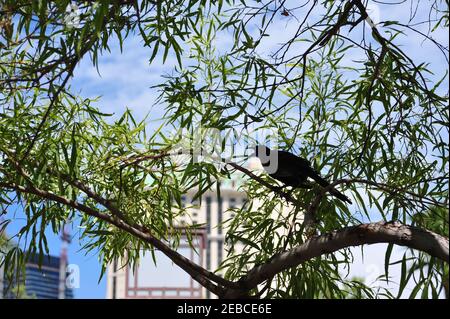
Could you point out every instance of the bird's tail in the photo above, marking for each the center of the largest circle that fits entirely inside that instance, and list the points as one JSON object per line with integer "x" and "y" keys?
{"x": 324, "y": 183}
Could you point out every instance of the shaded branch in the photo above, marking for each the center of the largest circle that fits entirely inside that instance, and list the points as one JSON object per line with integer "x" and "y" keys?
{"x": 198, "y": 273}
{"x": 382, "y": 232}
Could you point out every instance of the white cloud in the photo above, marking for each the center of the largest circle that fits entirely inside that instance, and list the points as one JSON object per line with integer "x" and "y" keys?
{"x": 124, "y": 80}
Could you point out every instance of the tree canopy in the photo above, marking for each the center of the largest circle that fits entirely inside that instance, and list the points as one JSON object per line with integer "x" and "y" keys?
{"x": 340, "y": 88}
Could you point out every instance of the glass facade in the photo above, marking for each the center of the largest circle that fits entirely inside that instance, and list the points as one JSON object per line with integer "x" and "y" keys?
{"x": 41, "y": 282}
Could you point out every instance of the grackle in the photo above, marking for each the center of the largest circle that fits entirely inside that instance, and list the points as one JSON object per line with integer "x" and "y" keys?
{"x": 291, "y": 170}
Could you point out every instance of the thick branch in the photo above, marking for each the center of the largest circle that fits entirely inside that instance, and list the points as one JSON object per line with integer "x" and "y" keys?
{"x": 381, "y": 232}
{"x": 198, "y": 273}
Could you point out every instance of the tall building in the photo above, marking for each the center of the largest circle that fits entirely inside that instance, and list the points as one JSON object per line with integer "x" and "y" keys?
{"x": 167, "y": 280}
{"x": 45, "y": 280}
{"x": 41, "y": 282}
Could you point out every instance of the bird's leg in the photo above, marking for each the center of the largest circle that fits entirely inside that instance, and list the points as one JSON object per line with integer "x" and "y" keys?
{"x": 278, "y": 189}
{"x": 287, "y": 195}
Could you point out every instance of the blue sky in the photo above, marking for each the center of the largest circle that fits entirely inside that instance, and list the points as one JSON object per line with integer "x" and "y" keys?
{"x": 124, "y": 82}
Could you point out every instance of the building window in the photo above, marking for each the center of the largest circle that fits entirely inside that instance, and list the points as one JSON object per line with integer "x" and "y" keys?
{"x": 219, "y": 215}
{"x": 114, "y": 279}
{"x": 183, "y": 201}
{"x": 232, "y": 204}
{"x": 219, "y": 251}
{"x": 208, "y": 254}
{"x": 208, "y": 227}
{"x": 208, "y": 214}
{"x": 194, "y": 217}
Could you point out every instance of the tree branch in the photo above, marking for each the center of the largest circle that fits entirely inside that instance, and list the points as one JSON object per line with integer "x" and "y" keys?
{"x": 381, "y": 232}
{"x": 198, "y": 273}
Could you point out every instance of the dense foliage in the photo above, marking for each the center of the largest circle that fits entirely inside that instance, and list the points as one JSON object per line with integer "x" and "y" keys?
{"x": 340, "y": 90}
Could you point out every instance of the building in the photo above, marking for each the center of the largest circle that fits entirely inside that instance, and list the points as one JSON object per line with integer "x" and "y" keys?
{"x": 47, "y": 278}
{"x": 41, "y": 282}
{"x": 150, "y": 281}
{"x": 166, "y": 280}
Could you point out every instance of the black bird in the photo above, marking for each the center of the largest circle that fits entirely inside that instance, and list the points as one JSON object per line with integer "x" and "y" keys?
{"x": 291, "y": 169}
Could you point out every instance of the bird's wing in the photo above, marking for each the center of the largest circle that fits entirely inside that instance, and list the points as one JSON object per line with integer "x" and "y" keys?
{"x": 306, "y": 168}
{"x": 283, "y": 172}
{"x": 287, "y": 157}
{"x": 303, "y": 168}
